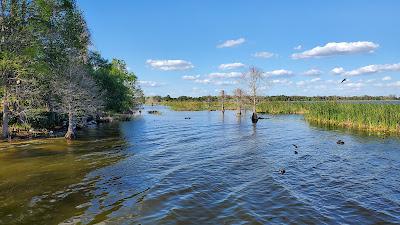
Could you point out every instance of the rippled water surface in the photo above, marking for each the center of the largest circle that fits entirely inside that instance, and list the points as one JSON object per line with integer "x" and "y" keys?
{"x": 210, "y": 169}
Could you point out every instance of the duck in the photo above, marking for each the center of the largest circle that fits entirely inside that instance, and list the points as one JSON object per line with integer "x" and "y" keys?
{"x": 295, "y": 146}
{"x": 282, "y": 171}
{"x": 295, "y": 152}
{"x": 340, "y": 142}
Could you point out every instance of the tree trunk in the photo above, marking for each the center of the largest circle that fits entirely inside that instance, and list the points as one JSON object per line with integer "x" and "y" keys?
{"x": 254, "y": 104}
{"x": 6, "y": 118}
{"x": 71, "y": 133}
{"x": 254, "y": 117}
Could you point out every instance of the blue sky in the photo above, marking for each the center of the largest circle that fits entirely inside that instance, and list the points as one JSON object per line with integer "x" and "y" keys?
{"x": 197, "y": 48}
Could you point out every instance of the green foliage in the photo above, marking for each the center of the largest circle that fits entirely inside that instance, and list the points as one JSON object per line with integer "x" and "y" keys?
{"x": 44, "y": 48}
{"x": 119, "y": 84}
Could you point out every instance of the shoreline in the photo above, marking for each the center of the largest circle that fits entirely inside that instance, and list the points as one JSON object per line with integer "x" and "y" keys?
{"x": 38, "y": 134}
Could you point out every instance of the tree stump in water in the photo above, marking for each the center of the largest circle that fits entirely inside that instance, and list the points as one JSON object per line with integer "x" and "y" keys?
{"x": 254, "y": 118}
{"x": 70, "y": 135}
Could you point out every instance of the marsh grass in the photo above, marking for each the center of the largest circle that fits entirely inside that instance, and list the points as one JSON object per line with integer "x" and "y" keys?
{"x": 362, "y": 116}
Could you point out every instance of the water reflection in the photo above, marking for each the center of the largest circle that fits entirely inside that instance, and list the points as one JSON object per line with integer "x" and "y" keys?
{"x": 39, "y": 178}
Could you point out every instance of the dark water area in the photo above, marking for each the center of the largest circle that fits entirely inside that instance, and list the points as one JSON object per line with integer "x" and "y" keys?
{"x": 209, "y": 169}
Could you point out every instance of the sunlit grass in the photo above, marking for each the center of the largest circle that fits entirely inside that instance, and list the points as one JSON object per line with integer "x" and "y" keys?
{"x": 364, "y": 116}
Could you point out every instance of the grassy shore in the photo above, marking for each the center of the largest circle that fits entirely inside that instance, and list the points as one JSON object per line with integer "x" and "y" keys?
{"x": 197, "y": 106}
{"x": 363, "y": 116}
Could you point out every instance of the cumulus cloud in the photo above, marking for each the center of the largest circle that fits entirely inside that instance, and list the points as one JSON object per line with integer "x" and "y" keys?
{"x": 354, "y": 85}
{"x": 304, "y": 82}
{"x": 264, "y": 55}
{"x": 312, "y": 72}
{"x": 225, "y": 83}
{"x": 281, "y": 81}
{"x": 147, "y": 83}
{"x": 394, "y": 84}
{"x": 315, "y": 79}
{"x": 337, "y": 70}
{"x": 225, "y": 75}
{"x": 232, "y": 43}
{"x": 298, "y": 47}
{"x": 301, "y": 83}
{"x": 370, "y": 69}
{"x": 280, "y": 72}
{"x": 202, "y": 81}
{"x": 387, "y": 78}
{"x": 230, "y": 66}
{"x": 337, "y": 48}
{"x": 170, "y": 65}
{"x": 190, "y": 77}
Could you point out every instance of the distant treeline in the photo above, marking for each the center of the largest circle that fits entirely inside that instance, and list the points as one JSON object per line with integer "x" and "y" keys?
{"x": 273, "y": 98}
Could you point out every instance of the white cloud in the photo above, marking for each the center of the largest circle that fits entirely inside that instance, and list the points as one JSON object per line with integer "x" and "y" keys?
{"x": 170, "y": 65}
{"x": 280, "y": 72}
{"x": 264, "y": 55}
{"x": 281, "y": 81}
{"x": 315, "y": 79}
{"x": 298, "y": 47}
{"x": 394, "y": 84}
{"x": 202, "y": 81}
{"x": 190, "y": 77}
{"x": 225, "y": 75}
{"x": 230, "y": 66}
{"x": 232, "y": 43}
{"x": 338, "y": 70}
{"x": 301, "y": 83}
{"x": 304, "y": 82}
{"x": 371, "y": 69}
{"x": 387, "y": 78}
{"x": 337, "y": 48}
{"x": 225, "y": 83}
{"x": 312, "y": 72}
{"x": 147, "y": 83}
{"x": 354, "y": 85}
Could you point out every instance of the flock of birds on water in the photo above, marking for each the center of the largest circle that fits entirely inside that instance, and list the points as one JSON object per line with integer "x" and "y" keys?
{"x": 282, "y": 170}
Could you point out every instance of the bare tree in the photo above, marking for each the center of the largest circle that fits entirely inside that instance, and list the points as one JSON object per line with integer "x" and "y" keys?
{"x": 76, "y": 94}
{"x": 209, "y": 102}
{"x": 223, "y": 100}
{"x": 254, "y": 77}
{"x": 239, "y": 94}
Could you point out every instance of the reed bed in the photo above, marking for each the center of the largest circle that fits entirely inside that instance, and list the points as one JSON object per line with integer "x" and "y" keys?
{"x": 197, "y": 106}
{"x": 373, "y": 117}
{"x": 363, "y": 116}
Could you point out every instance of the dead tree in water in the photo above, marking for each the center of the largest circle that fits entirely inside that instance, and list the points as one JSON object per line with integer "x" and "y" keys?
{"x": 223, "y": 100}
{"x": 238, "y": 93}
{"x": 254, "y": 77}
{"x": 209, "y": 102}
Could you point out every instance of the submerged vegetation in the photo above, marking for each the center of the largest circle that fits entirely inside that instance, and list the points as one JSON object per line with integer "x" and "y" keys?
{"x": 49, "y": 78}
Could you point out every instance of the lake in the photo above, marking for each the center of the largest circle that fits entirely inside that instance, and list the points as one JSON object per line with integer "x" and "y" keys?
{"x": 213, "y": 168}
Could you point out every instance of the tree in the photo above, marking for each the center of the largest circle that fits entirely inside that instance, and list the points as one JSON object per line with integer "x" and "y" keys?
{"x": 239, "y": 94}
{"x": 254, "y": 77}
{"x": 223, "y": 101}
{"x": 18, "y": 56}
{"x": 123, "y": 93}
{"x": 76, "y": 94}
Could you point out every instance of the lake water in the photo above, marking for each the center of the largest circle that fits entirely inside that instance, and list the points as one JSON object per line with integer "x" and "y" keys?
{"x": 210, "y": 169}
